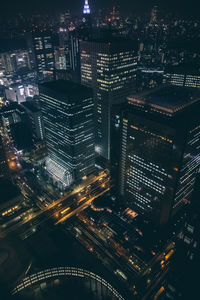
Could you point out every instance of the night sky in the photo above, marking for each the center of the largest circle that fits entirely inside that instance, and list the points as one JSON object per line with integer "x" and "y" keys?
{"x": 185, "y": 7}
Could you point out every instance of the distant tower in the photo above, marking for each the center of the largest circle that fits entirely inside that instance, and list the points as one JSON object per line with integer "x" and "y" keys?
{"x": 154, "y": 14}
{"x": 87, "y": 15}
{"x": 86, "y": 9}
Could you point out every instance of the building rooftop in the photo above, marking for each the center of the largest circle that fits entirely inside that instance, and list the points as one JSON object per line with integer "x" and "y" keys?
{"x": 115, "y": 44}
{"x": 138, "y": 238}
{"x": 167, "y": 99}
{"x": 66, "y": 87}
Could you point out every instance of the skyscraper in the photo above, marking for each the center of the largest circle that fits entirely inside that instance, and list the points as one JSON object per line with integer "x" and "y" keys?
{"x": 109, "y": 67}
{"x": 160, "y": 151}
{"x": 86, "y": 9}
{"x": 68, "y": 116}
{"x": 87, "y": 16}
{"x": 69, "y": 45}
{"x": 41, "y": 45}
{"x": 73, "y": 54}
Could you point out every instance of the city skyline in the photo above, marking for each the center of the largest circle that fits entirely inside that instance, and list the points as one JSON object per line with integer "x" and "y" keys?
{"x": 99, "y": 150}
{"x": 48, "y": 6}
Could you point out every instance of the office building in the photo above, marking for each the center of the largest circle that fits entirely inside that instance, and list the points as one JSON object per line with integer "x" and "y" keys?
{"x": 35, "y": 121}
{"x": 109, "y": 67}
{"x": 189, "y": 236}
{"x": 11, "y": 115}
{"x": 182, "y": 75}
{"x": 60, "y": 58}
{"x": 15, "y": 61}
{"x": 68, "y": 117}
{"x": 18, "y": 92}
{"x": 15, "y": 126}
{"x": 73, "y": 54}
{"x": 41, "y": 45}
{"x": 160, "y": 151}
{"x": 69, "y": 56}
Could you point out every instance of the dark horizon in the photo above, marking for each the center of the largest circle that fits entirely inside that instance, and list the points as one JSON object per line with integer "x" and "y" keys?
{"x": 126, "y": 6}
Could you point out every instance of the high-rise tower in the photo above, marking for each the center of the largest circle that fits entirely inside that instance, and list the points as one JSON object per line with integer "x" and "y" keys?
{"x": 109, "y": 67}
{"x": 160, "y": 156}
{"x": 87, "y": 15}
{"x": 86, "y": 9}
{"x": 68, "y": 116}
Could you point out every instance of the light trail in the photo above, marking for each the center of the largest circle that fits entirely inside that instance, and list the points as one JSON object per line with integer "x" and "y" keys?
{"x": 50, "y": 209}
{"x": 78, "y": 209}
{"x": 63, "y": 211}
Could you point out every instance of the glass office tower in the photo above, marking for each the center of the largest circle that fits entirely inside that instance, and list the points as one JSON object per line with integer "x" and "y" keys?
{"x": 160, "y": 151}
{"x": 41, "y": 45}
{"x": 109, "y": 67}
{"x": 68, "y": 116}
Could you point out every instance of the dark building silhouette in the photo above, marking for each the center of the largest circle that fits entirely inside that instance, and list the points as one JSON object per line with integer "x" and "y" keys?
{"x": 68, "y": 117}
{"x": 109, "y": 67}
{"x": 35, "y": 121}
{"x": 160, "y": 156}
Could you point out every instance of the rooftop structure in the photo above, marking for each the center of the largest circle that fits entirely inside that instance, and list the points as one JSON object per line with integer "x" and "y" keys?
{"x": 113, "y": 44}
{"x": 86, "y": 9}
{"x": 65, "y": 86}
{"x": 167, "y": 100}
{"x": 160, "y": 151}
{"x": 109, "y": 66}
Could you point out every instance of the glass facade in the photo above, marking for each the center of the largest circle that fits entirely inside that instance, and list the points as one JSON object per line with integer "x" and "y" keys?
{"x": 69, "y": 126}
{"x": 148, "y": 166}
{"x": 160, "y": 158}
{"x": 110, "y": 69}
{"x": 190, "y": 167}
